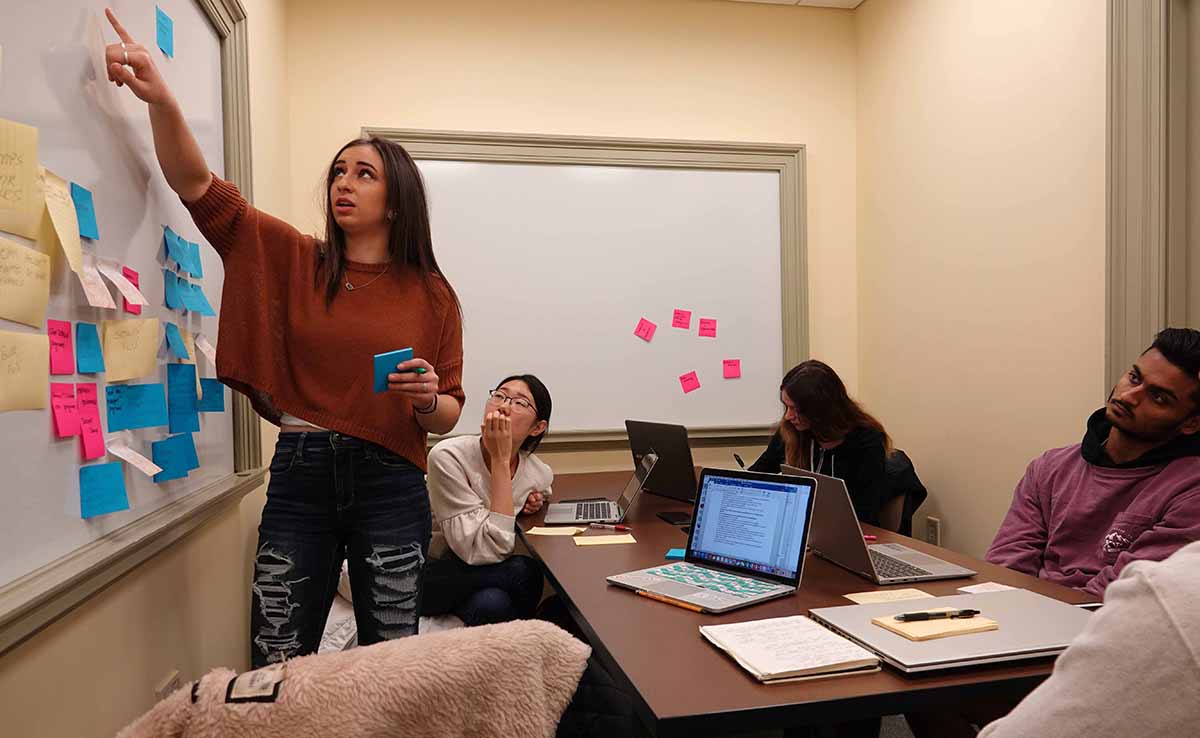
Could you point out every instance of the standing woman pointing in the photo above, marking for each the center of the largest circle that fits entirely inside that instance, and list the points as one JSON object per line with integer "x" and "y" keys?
{"x": 301, "y": 321}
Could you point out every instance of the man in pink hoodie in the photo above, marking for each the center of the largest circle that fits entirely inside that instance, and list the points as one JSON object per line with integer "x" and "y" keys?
{"x": 1129, "y": 491}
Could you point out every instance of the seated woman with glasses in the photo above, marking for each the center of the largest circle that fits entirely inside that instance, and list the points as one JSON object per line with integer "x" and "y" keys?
{"x": 477, "y": 484}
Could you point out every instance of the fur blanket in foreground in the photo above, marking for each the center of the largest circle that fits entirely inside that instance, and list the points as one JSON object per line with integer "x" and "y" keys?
{"x": 512, "y": 679}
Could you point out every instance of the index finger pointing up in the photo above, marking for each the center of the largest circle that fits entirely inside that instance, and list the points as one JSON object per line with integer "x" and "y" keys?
{"x": 116, "y": 24}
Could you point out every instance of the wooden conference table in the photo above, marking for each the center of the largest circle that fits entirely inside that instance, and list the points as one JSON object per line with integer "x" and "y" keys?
{"x": 682, "y": 685}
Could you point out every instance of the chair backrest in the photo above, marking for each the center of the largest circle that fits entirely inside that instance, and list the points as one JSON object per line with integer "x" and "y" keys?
{"x": 907, "y": 494}
{"x": 891, "y": 515}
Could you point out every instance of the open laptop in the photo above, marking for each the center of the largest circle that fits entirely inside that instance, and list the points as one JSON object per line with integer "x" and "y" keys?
{"x": 675, "y": 474}
{"x": 603, "y": 511}
{"x": 1031, "y": 626}
{"x": 838, "y": 537}
{"x": 746, "y": 545}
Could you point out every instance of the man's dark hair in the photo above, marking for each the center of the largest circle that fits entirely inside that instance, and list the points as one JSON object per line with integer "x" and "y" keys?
{"x": 1181, "y": 347}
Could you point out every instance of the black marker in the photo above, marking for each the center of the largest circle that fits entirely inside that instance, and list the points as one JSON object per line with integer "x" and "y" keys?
{"x": 738, "y": 459}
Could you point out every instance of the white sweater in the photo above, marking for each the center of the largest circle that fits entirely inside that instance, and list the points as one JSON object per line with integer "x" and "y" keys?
{"x": 1134, "y": 670}
{"x": 460, "y": 493}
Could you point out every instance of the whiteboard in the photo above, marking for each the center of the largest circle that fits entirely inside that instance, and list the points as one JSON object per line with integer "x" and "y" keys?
{"x": 45, "y": 81}
{"x": 555, "y": 264}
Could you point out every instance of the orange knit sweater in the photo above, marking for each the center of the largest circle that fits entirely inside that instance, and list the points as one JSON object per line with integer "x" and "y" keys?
{"x": 282, "y": 347}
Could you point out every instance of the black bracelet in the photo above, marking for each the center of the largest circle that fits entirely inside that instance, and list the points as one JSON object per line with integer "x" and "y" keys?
{"x": 432, "y": 408}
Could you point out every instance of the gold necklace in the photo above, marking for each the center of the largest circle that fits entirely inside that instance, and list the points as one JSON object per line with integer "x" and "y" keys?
{"x": 351, "y": 287}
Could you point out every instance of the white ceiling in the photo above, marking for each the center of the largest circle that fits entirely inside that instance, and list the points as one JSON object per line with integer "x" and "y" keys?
{"x": 847, "y": 4}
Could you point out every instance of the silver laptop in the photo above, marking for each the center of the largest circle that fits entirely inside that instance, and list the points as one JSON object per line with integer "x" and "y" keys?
{"x": 1031, "y": 626}
{"x": 838, "y": 537}
{"x": 746, "y": 545}
{"x": 604, "y": 511}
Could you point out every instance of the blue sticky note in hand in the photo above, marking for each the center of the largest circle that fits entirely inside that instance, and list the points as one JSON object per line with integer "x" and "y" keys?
{"x": 166, "y": 32}
{"x": 135, "y": 406}
{"x": 85, "y": 212}
{"x": 183, "y": 407}
{"x": 102, "y": 489}
{"x": 176, "y": 456}
{"x": 385, "y": 364}
{"x": 175, "y": 341}
{"x": 89, "y": 358}
{"x": 212, "y": 396}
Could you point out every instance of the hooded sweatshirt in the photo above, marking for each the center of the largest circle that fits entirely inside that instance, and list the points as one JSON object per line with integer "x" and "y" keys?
{"x": 1078, "y": 519}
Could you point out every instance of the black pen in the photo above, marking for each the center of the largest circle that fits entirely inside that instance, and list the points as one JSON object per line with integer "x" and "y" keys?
{"x": 910, "y": 617}
{"x": 738, "y": 459}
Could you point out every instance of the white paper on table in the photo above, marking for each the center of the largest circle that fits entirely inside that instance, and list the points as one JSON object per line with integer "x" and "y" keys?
{"x": 986, "y": 587}
{"x": 93, "y": 286}
{"x": 128, "y": 290}
{"x": 206, "y": 348}
{"x": 568, "y": 531}
{"x": 118, "y": 444}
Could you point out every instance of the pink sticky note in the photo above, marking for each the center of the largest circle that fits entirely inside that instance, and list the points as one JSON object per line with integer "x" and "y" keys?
{"x": 132, "y": 276}
{"x": 681, "y": 319}
{"x": 645, "y": 330}
{"x": 62, "y": 356}
{"x": 91, "y": 433}
{"x": 690, "y": 382}
{"x": 708, "y": 327}
{"x": 66, "y": 414}
{"x": 732, "y": 367}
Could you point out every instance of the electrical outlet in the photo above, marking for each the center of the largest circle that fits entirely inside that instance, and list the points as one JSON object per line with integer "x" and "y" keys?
{"x": 168, "y": 685}
{"x": 933, "y": 530}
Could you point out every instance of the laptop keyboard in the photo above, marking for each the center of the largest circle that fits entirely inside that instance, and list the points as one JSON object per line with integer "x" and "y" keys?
{"x": 717, "y": 581}
{"x": 592, "y": 511}
{"x": 886, "y": 567}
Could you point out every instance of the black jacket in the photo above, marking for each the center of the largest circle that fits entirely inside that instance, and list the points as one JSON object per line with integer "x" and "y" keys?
{"x": 859, "y": 461}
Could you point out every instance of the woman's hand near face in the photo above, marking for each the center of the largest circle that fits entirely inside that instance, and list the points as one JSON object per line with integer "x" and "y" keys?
{"x": 533, "y": 502}
{"x": 497, "y": 437}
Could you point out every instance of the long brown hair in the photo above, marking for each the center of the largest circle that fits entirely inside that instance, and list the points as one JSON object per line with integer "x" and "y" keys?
{"x": 820, "y": 396}
{"x": 409, "y": 241}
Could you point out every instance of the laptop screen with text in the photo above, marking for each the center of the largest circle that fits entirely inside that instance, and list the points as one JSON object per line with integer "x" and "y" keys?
{"x": 754, "y": 525}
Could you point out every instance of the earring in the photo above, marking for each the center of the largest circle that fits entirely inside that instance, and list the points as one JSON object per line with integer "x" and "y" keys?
{"x": 391, "y": 215}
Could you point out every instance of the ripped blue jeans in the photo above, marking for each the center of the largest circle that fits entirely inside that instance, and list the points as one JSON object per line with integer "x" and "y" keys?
{"x": 333, "y": 497}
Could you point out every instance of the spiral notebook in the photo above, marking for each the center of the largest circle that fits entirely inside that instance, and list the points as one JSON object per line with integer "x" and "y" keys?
{"x": 789, "y": 648}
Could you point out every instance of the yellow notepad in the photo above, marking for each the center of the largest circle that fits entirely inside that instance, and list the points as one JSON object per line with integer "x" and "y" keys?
{"x": 927, "y": 630}
{"x": 887, "y": 595}
{"x": 570, "y": 530}
{"x": 604, "y": 540}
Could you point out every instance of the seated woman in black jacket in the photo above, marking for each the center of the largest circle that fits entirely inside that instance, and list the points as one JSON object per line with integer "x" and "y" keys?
{"x": 825, "y": 431}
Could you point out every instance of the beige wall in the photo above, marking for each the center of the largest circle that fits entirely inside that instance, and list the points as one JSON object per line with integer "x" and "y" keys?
{"x": 981, "y": 211}
{"x": 681, "y": 69}
{"x": 89, "y": 673}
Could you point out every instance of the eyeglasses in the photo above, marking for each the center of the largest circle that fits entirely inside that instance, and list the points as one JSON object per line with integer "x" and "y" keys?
{"x": 500, "y": 398}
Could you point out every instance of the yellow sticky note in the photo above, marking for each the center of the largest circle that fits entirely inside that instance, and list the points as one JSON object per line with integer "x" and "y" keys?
{"x": 130, "y": 347}
{"x": 887, "y": 595}
{"x": 20, "y": 204}
{"x": 604, "y": 540}
{"x": 24, "y": 284}
{"x": 62, "y": 215}
{"x": 570, "y": 530}
{"x": 24, "y": 370}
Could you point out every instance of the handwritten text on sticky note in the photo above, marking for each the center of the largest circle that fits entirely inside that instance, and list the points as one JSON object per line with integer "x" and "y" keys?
{"x": 62, "y": 356}
{"x": 66, "y": 413}
{"x": 645, "y": 330}
{"x": 690, "y": 382}
{"x": 732, "y": 368}
{"x": 91, "y": 434}
{"x": 708, "y": 327}
{"x": 24, "y": 283}
{"x": 681, "y": 319}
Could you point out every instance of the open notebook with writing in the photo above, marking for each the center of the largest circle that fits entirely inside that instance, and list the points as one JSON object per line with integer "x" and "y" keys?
{"x": 779, "y": 649}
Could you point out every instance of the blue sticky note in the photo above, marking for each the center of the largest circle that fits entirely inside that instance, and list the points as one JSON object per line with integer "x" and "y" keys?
{"x": 183, "y": 407}
{"x": 135, "y": 406}
{"x": 89, "y": 358}
{"x": 171, "y": 293}
{"x": 201, "y": 303}
{"x": 175, "y": 455}
{"x": 102, "y": 489}
{"x": 212, "y": 396}
{"x": 85, "y": 212}
{"x": 187, "y": 298}
{"x": 175, "y": 341}
{"x": 172, "y": 242}
{"x": 385, "y": 364}
{"x": 676, "y": 554}
{"x": 193, "y": 266}
{"x": 166, "y": 32}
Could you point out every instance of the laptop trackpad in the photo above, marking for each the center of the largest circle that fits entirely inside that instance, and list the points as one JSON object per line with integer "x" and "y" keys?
{"x": 675, "y": 589}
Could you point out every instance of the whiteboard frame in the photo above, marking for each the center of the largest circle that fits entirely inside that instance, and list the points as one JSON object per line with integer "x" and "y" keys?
{"x": 786, "y": 160}
{"x": 37, "y": 599}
